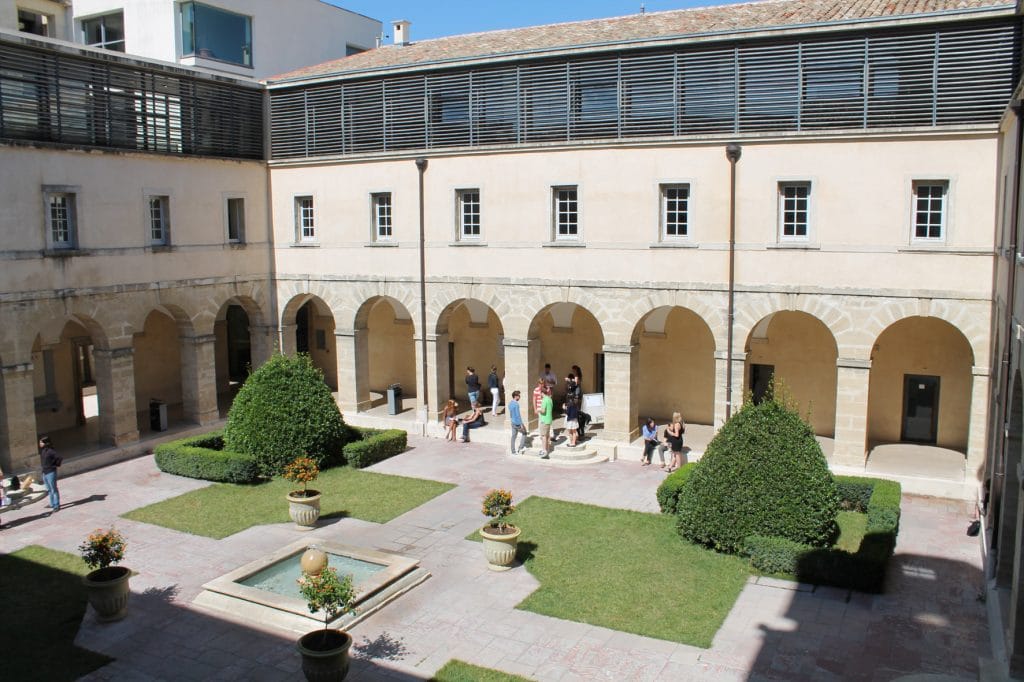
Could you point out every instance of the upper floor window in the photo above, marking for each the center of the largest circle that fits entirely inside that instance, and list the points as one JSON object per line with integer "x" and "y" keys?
{"x": 235, "y": 208}
{"x": 794, "y": 210}
{"x": 305, "y": 219}
{"x": 381, "y": 204}
{"x": 158, "y": 208}
{"x": 469, "y": 213}
{"x": 35, "y": 23}
{"x": 61, "y": 218}
{"x": 930, "y": 209}
{"x": 675, "y": 211}
{"x": 212, "y": 33}
{"x": 565, "y": 209}
{"x": 106, "y": 31}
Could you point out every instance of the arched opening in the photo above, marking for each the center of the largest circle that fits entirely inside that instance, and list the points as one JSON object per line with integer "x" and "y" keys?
{"x": 232, "y": 350}
{"x": 389, "y": 349}
{"x": 314, "y": 335}
{"x": 799, "y": 351}
{"x": 676, "y": 366}
{"x": 67, "y": 406}
{"x": 569, "y": 335}
{"x": 475, "y": 339}
{"x": 157, "y": 369}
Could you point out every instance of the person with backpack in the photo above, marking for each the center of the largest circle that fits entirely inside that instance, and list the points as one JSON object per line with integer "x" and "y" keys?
{"x": 50, "y": 461}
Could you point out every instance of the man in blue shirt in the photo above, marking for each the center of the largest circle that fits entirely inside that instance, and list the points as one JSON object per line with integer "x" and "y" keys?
{"x": 515, "y": 418}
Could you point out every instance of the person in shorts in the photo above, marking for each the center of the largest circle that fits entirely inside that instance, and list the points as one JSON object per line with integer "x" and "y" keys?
{"x": 547, "y": 412}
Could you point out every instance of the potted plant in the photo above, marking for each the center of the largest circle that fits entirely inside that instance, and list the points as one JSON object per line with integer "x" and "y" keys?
{"x": 106, "y": 585}
{"x": 325, "y": 653}
{"x": 500, "y": 538}
{"x": 303, "y": 505}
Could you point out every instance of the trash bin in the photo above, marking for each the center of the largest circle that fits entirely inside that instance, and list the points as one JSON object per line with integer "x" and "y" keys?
{"x": 157, "y": 415}
{"x": 394, "y": 398}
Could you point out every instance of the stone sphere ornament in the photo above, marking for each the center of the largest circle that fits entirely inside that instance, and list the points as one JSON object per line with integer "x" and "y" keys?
{"x": 313, "y": 561}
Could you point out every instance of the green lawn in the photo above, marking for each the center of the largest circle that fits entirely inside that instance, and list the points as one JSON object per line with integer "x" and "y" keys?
{"x": 458, "y": 671}
{"x": 43, "y": 604}
{"x": 624, "y": 570}
{"x": 223, "y": 509}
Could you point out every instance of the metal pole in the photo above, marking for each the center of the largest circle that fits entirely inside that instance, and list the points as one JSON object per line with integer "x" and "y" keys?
{"x": 421, "y": 166}
{"x": 732, "y": 152}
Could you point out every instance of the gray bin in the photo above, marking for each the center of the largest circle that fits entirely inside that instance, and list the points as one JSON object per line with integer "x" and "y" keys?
{"x": 157, "y": 415}
{"x": 394, "y": 398}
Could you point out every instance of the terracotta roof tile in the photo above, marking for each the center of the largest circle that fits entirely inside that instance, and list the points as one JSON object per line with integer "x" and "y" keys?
{"x": 764, "y": 14}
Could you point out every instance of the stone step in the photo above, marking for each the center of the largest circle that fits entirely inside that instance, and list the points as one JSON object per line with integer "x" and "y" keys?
{"x": 565, "y": 455}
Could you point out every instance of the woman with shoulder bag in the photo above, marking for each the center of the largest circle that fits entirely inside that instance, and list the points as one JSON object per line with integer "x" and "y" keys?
{"x": 49, "y": 461}
{"x": 674, "y": 437}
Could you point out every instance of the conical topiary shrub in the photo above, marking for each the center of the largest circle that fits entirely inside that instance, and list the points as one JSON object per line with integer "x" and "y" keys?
{"x": 285, "y": 410}
{"x": 762, "y": 474}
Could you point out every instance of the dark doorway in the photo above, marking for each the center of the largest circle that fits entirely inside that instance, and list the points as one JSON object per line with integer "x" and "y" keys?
{"x": 239, "y": 344}
{"x": 760, "y": 381}
{"x": 920, "y": 408}
{"x": 451, "y": 369}
{"x": 599, "y": 373}
{"x": 302, "y": 329}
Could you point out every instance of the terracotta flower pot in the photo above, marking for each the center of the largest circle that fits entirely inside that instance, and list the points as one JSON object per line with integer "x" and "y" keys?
{"x": 304, "y": 510}
{"x": 500, "y": 547}
{"x": 325, "y": 657}
{"x": 108, "y": 590}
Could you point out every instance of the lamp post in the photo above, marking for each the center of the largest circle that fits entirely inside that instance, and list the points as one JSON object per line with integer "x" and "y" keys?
{"x": 733, "y": 153}
{"x": 421, "y": 166}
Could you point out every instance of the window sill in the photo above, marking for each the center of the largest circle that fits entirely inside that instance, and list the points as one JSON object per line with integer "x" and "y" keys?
{"x": 64, "y": 253}
{"x": 796, "y": 246}
{"x": 160, "y": 248}
{"x": 945, "y": 249}
{"x": 305, "y": 245}
{"x": 564, "y": 245}
{"x": 381, "y": 245}
{"x": 236, "y": 245}
{"x": 675, "y": 245}
{"x": 468, "y": 242}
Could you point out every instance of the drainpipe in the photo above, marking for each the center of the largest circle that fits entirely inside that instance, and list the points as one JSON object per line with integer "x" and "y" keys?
{"x": 732, "y": 152}
{"x": 421, "y": 166}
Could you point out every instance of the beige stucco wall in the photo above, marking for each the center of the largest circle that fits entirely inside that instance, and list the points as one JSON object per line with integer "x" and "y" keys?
{"x": 677, "y": 369}
{"x": 922, "y": 346}
{"x": 392, "y": 353}
{"x": 157, "y": 362}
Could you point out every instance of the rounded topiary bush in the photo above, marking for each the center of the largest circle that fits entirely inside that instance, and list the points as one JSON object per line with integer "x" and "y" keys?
{"x": 285, "y": 410}
{"x": 762, "y": 474}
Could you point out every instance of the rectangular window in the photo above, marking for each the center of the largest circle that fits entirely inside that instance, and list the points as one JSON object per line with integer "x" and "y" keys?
{"x": 212, "y": 33}
{"x": 61, "y": 220}
{"x": 566, "y": 212}
{"x": 35, "y": 23}
{"x": 794, "y": 210}
{"x": 106, "y": 31}
{"x": 469, "y": 213}
{"x": 236, "y": 219}
{"x": 159, "y": 220}
{"x": 675, "y": 211}
{"x": 305, "y": 219}
{"x": 930, "y": 209}
{"x": 381, "y": 203}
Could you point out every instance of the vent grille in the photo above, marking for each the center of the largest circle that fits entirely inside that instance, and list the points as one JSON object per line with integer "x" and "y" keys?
{"x": 961, "y": 74}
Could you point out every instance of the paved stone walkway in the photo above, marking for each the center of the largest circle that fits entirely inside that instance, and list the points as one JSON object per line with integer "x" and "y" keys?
{"x": 930, "y": 620}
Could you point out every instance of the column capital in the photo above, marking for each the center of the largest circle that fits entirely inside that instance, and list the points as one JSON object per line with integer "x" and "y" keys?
{"x": 17, "y": 368}
{"x": 200, "y": 338}
{"x": 736, "y": 357}
{"x": 853, "y": 363}
{"x": 624, "y": 349}
{"x": 979, "y": 371}
{"x": 515, "y": 343}
{"x": 114, "y": 353}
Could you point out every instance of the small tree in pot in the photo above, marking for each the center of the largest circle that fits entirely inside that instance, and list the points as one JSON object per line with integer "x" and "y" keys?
{"x": 325, "y": 653}
{"x": 106, "y": 585}
{"x": 303, "y": 505}
{"x": 499, "y": 537}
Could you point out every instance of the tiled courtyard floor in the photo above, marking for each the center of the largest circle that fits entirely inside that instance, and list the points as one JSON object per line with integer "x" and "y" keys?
{"x": 929, "y": 621}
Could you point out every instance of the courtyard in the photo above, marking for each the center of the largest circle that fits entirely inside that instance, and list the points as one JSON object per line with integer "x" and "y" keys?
{"x": 930, "y": 620}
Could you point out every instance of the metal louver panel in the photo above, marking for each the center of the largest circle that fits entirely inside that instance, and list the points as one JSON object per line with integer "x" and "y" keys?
{"x": 901, "y": 77}
{"x": 76, "y": 99}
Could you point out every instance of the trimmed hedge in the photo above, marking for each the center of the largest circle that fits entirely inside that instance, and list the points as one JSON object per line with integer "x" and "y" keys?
{"x": 375, "y": 446}
{"x": 668, "y": 491}
{"x": 864, "y": 570}
{"x": 204, "y": 457}
{"x": 285, "y": 410}
{"x": 763, "y": 474}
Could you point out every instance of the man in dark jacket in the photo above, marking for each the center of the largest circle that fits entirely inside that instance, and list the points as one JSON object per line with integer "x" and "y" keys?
{"x": 50, "y": 460}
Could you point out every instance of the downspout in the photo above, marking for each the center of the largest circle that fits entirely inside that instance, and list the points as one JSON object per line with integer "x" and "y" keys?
{"x": 421, "y": 166}
{"x": 274, "y": 322}
{"x": 732, "y": 152}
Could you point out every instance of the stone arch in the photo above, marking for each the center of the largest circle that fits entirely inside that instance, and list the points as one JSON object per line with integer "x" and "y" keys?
{"x": 308, "y": 327}
{"x": 158, "y": 364}
{"x": 676, "y": 365}
{"x": 474, "y": 337}
{"x": 829, "y": 311}
{"x": 799, "y": 351}
{"x": 569, "y": 334}
{"x": 234, "y": 358}
{"x": 920, "y": 384}
{"x": 385, "y": 350}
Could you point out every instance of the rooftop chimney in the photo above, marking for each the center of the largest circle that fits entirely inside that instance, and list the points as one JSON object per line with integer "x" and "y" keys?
{"x": 401, "y": 31}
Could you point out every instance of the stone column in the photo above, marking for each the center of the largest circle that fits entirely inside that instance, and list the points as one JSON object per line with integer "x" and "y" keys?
{"x": 286, "y": 339}
{"x": 1007, "y": 542}
{"x": 353, "y": 358}
{"x": 622, "y": 412}
{"x": 199, "y": 378}
{"x": 18, "y": 449}
{"x": 852, "y": 381}
{"x": 977, "y": 426}
{"x": 521, "y": 370}
{"x": 263, "y": 342}
{"x": 115, "y": 389}
{"x": 1015, "y": 631}
{"x": 437, "y": 375}
{"x": 721, "y": 380}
